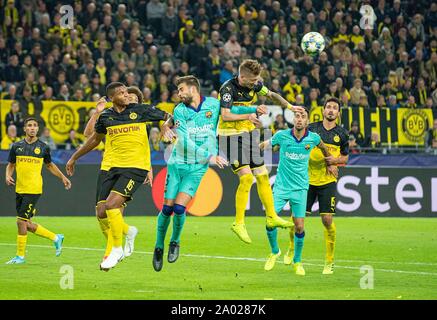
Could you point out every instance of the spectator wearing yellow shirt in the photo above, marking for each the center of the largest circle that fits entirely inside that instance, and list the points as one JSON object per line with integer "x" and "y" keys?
{"x": 341, "y": 35}
{"x": 247, "y": 6}
{"x": 292, "y": 89}
{"x": 10, "y": 137}
{"x": 165, "y": 105}
{"x": 155, "y": 140}
{"x": 187, "y": 33}
{"x": 356, "y": 36}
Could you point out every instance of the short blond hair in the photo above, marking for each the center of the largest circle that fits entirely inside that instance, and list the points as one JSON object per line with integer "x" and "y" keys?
{"x": 250, "y": 66}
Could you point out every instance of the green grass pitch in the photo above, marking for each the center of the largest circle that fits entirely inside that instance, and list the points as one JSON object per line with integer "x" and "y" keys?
{"x": 214, "y": 264}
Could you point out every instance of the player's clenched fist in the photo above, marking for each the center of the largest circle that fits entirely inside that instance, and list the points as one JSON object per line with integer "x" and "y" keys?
{"x": 67, "y": 183}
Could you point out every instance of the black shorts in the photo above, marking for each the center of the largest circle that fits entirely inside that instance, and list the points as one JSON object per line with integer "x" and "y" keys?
{"x": 25, "y": 204}
{"x": 124, "y": 181}
{"x": 242, "y": 150}
{"x": 100, "y": 178}
{"x": 326, "y": 195}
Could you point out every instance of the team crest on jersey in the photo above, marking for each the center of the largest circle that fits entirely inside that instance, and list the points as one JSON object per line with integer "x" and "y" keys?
{"x": 133, "y": 116}
{"x": 307, "y": 147}
{"x": 37, "y": 150}
{"x": 236, "y": 163}
{"x": 209, "y": 114}
{"x": 336, "y": 139}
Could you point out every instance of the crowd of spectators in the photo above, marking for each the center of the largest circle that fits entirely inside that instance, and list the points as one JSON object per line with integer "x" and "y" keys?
{"x": 149, "y": 43}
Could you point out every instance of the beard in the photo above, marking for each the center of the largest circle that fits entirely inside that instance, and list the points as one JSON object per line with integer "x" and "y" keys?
{"x": 187, "y": 100}
{"x": 330, "y": 117}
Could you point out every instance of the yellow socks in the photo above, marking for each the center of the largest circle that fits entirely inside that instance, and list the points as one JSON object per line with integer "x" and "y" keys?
{"x": 43, "y": 232}
{"x": 330, "y": 235}
{"x": 242, "y": 197}
{"x": 21, "y": 245}
{"x": 265, "y": 194}
{"x": 116, "y": 224}
{"x": 106, "y": 230}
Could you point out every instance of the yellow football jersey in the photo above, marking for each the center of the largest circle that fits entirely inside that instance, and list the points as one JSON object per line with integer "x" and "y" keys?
{"x": 29, "y": 159}
{"x": 337, "y": 142}
{"x": 232, "y": 94}
{"x": 126, "y": 136}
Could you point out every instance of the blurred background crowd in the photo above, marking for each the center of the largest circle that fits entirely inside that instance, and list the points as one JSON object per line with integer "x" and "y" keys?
{"x": 149, "y": 43}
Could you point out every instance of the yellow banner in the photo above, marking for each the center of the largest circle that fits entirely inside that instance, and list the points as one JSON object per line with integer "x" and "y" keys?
{"x": 403, "y": 127}
{"x": 413, "y": 125}
{"x": 59, "y": 116}
{"x": 406, "y": 127}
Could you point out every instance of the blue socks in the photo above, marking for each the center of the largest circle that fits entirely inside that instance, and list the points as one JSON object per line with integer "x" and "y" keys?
{"x": 163, "y": 222}
{"x": 298, "y": 246}
{"x": 272, "y": 234}
{"x": 178, "y": 222}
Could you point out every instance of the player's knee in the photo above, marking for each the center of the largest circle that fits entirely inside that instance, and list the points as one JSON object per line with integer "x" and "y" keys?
{"x": 327, "y": 220}
{"x": 179, "y": 209}
{"x": 31, "y": 226}
{"x": 21, "y": 223}
{"x": 112, "y": 204}
{"x": 167, "y": 210}
{"x": 246, "y": 181}
{"x": 261, "y": 172}
{"x": 101, "y": 211}
{"x": 299, "y": 228}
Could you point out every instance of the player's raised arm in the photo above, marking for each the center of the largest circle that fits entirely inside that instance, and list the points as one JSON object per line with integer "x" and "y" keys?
{"x": 277, "y": 98}
{"x": 89, "y": 129}
{"x": 89, "y": 145}
{"x": 151, "y": 113}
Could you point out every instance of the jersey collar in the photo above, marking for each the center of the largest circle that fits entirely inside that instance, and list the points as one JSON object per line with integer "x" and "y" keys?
{"x": 202, "y": 99}
{"x": 303, "y": 137}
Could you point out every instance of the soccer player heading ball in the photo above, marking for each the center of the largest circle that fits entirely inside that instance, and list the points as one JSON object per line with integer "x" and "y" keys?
{"x": 239, "y": 141}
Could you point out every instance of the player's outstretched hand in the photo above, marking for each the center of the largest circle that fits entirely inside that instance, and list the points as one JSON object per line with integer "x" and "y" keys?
{"x": 332, "y": 170}
{"x": 10, "y": 181}
{"x": 219, "y": 161}
{"x": 261, "y": 109}
{"x": 101, "y": 104}
{"x": 149, "y": 179}
{"x": 67, "y": 183}
{"x": 69, "y": 167}
{"x": 254, "y": 119}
